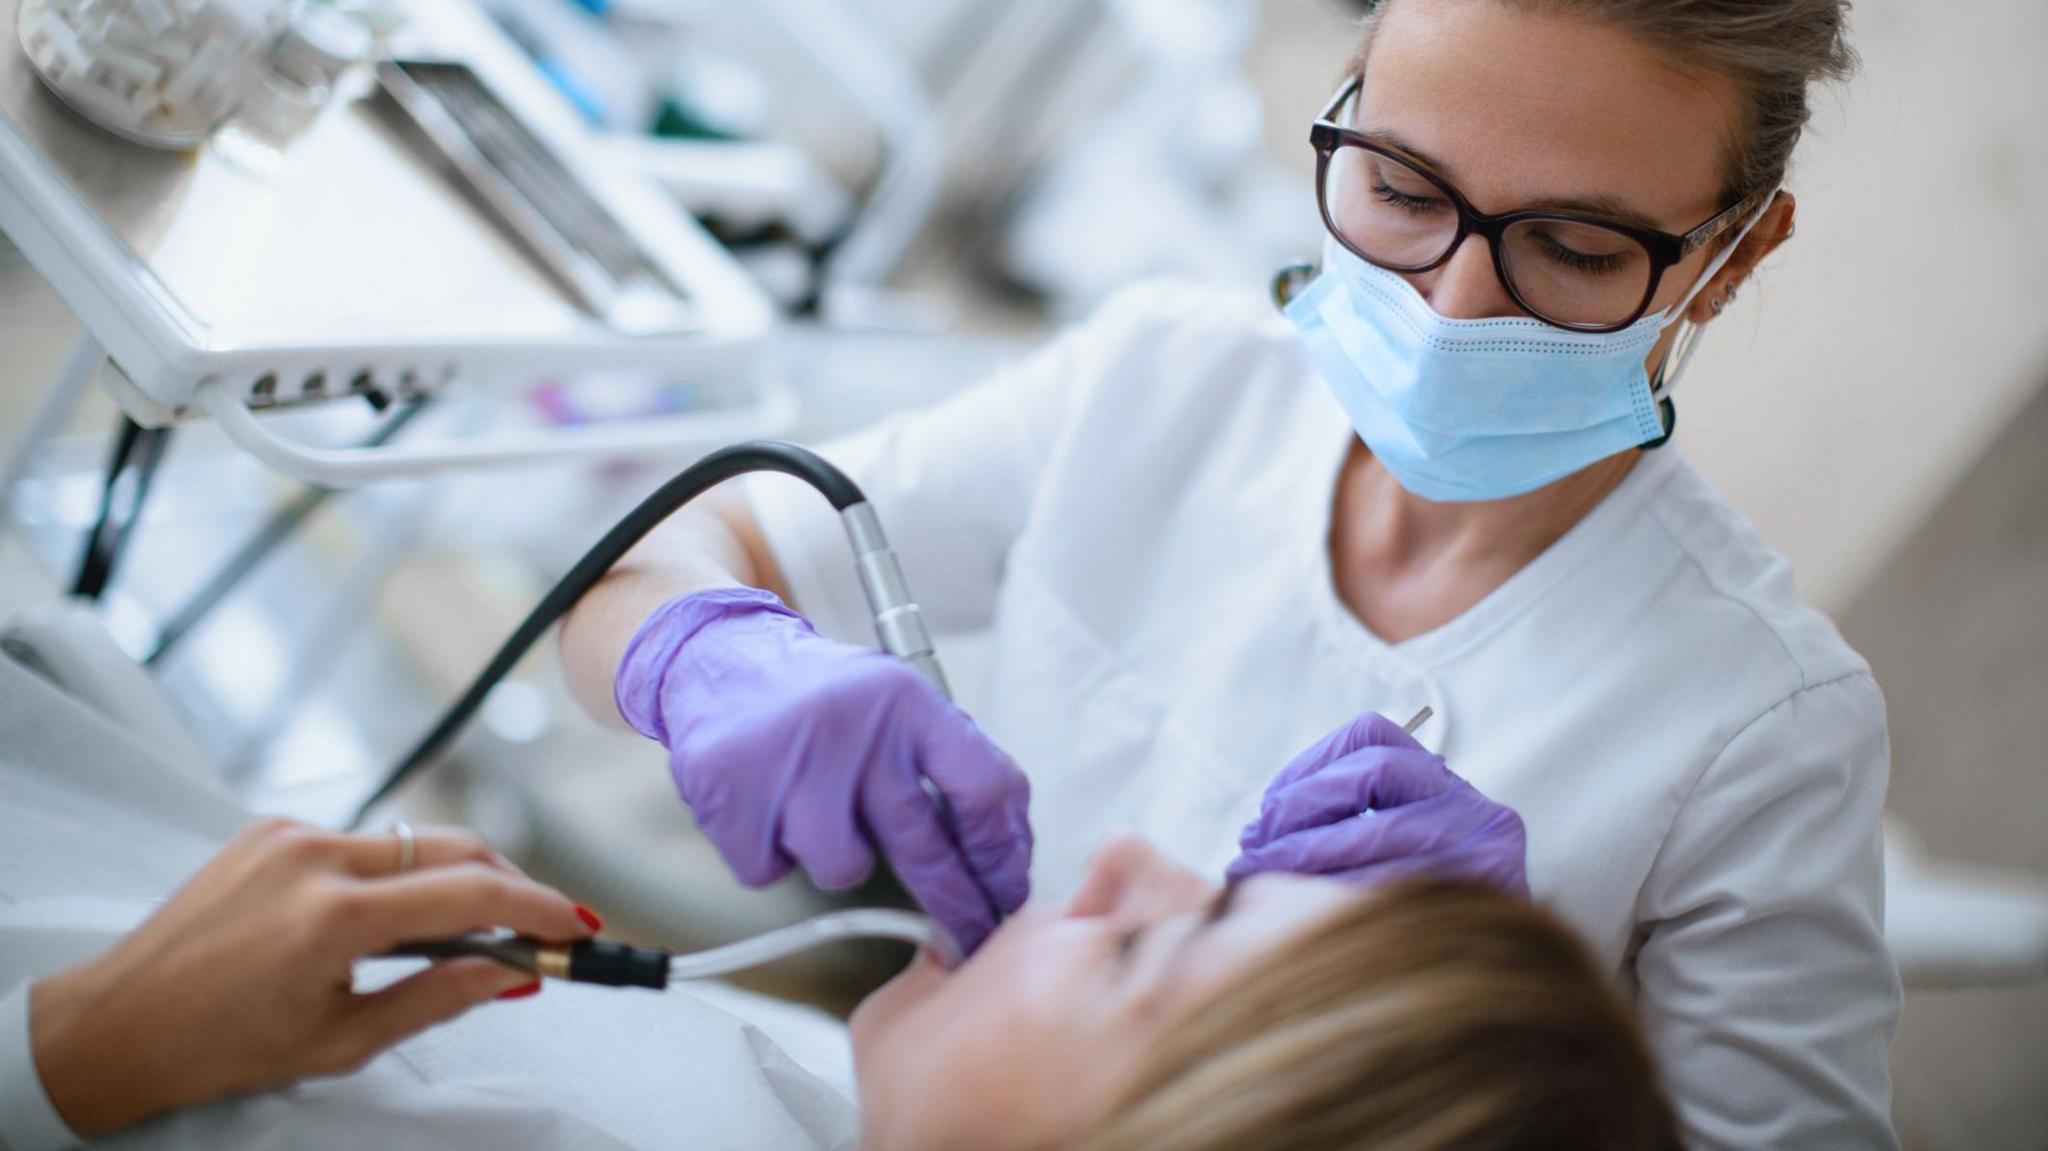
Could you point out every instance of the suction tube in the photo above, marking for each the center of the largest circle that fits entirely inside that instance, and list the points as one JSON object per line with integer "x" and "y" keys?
{"x": 612, "y": 964}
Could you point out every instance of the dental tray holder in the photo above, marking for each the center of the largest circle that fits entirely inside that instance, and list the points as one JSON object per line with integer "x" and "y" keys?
{"x": 358, "y": 269}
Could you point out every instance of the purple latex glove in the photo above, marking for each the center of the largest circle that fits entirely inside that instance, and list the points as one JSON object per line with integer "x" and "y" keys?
{"x": 1368, "y": 803}
{"x": 792, "y": 750}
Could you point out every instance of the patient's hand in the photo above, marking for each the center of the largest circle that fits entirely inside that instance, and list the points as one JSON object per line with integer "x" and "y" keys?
{"x": 1368, "y": 803}
{"x": 241, "y": 981}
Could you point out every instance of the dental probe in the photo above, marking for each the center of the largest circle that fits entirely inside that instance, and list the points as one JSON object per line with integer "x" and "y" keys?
{"x": 612, "y": 964}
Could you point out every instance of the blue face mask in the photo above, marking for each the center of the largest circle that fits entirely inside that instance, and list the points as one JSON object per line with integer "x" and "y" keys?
{"x": 1481, "y": 409}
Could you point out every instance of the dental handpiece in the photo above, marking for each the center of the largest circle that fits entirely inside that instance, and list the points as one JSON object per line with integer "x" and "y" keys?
{"x": 612, "y": 964}
{"x": 900, "y": 626}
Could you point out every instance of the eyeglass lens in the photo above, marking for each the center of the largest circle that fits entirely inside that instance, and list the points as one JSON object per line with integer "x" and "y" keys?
{"x": 1568, "y": 272}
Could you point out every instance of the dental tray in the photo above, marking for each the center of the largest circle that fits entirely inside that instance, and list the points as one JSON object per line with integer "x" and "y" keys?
{"x": 535, "y": 196}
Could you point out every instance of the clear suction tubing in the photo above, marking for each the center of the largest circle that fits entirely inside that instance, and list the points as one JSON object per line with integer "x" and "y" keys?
{"x": 860, "y": 923}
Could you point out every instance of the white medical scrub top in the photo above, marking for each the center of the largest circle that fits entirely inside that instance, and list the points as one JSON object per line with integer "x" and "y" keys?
{"x": 96, "y": 829}
{"x": 1140, "y": 516}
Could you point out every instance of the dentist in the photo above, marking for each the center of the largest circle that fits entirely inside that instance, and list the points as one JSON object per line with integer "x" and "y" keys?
{"x": 1204, "y": 536}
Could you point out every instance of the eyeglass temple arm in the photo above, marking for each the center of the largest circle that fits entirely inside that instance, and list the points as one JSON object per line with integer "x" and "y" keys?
{"x": 1728, "y": 218}
{"x": 1344, "y": 93}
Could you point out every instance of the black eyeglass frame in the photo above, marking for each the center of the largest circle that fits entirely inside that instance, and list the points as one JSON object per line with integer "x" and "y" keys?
{"x": 1665, "y": 249}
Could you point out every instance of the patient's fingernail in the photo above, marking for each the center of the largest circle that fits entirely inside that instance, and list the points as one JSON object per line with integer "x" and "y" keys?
{"x": 591, "y": 919}
{"x": 521, "y": 991}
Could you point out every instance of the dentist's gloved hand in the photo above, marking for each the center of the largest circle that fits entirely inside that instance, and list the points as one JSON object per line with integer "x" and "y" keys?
{"x": 1368, "y": 803}
{"x": 792, "y": 749}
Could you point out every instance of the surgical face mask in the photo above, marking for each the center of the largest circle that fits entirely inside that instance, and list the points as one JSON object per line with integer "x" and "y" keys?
{"x": 1482, "y": 409}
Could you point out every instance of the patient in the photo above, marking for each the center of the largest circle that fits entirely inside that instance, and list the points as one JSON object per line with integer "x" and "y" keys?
{"x": 1160, "y": 1011}
{"x": 1154, "y": 1010}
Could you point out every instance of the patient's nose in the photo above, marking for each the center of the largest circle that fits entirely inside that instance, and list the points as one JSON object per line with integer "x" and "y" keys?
{"x": 1128, "y": 878}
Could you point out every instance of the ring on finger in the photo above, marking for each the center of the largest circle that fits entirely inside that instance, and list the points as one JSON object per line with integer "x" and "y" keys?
{"x": 408, "y": 845}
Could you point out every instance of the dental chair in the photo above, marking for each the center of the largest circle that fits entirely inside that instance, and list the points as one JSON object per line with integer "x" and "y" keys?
{"x": 65, "y": 643}
{"x": 1949, "y": 924}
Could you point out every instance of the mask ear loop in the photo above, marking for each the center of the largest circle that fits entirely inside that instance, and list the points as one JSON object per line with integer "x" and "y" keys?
{"x": 1689, "y": 334}
{"x": 1681, "y": 351}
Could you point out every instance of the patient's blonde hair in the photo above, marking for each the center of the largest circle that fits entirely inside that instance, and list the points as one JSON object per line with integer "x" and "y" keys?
{"x": 1430, "y": 1015}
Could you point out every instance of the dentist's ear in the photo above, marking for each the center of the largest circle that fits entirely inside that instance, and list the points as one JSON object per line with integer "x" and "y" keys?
{"x": 1774, "y": 229}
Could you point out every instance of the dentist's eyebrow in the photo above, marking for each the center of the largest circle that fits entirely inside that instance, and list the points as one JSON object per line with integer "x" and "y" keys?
{"x": 1604, "y": 206}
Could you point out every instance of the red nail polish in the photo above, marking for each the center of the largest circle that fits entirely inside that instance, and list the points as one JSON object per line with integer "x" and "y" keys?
{"x": 591, "y": 919}
{"x": 521, "y": 991}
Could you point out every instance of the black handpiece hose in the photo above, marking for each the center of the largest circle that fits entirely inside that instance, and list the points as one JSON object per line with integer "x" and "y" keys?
{"x": 693, "y": 481}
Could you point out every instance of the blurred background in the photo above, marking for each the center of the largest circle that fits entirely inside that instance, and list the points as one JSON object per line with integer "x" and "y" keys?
{"x": 924, "y": 189}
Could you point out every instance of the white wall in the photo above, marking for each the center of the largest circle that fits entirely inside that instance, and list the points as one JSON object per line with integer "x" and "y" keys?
{"x": 1909, "y": 318}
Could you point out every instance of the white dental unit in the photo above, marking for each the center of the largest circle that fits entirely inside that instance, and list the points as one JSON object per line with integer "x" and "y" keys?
{"x": 356, "y": 267}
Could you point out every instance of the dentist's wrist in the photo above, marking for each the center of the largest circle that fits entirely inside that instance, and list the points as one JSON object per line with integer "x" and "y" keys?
{"x": 655, "y": 646}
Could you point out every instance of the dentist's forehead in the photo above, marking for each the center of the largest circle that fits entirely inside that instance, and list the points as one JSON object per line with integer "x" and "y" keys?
{"x": 1577, "y": 109}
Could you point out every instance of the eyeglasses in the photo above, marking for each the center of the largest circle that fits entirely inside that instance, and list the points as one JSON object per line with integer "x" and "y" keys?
{"x": 1572, "y": 270}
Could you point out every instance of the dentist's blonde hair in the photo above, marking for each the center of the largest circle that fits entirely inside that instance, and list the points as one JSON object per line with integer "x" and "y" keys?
{"x": 1429, "y": 1016}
